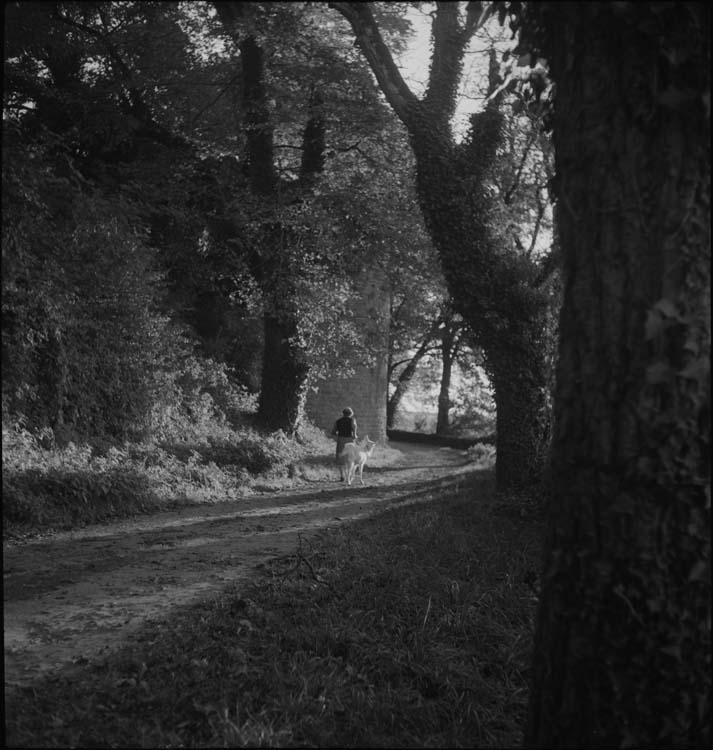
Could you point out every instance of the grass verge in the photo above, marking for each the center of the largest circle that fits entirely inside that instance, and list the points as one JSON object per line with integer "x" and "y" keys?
{"x": 412, "y": 629}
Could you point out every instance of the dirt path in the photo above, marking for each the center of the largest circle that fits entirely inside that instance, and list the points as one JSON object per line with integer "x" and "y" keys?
{"x": 76, "y": 594}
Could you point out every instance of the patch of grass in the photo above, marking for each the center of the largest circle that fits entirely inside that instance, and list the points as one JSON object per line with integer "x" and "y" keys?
{"x": 412, "y": 629}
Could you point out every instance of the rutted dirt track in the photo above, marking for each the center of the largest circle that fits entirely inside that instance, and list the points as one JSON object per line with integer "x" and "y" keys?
{"x": 77, "y": 594}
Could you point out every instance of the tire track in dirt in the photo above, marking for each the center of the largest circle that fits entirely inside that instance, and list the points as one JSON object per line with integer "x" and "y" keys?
{"x": 74, "y": 595}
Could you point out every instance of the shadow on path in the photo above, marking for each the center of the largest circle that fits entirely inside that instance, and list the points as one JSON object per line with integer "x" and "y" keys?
{"x": 87, "y": 591}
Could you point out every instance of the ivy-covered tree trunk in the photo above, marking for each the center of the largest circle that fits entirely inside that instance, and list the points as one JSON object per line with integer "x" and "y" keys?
{"x": 285, "y": 372}
{"x": 52, "y": 377}
{"x": 622, "y": 653}
{"x": 493, "y": 289}
{"x": 283, "y": 375}
{"x": 495, "y": 294}
{"x": 521, "y": 381}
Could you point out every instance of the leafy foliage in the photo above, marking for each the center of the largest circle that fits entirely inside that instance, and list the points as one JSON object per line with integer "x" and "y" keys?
{"x": 122, "y": 104}
{"x": 199, "y": 459}
{"x": 85, "y": 340}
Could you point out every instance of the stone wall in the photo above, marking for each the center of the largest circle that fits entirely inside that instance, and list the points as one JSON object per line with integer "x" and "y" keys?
{"x": 365, "y": 391}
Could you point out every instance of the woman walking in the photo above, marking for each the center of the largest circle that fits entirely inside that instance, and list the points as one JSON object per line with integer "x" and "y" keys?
{"x": 345, "y": 428}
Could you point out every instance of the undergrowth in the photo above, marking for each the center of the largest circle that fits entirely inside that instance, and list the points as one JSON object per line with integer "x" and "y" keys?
{"x": 412, "y": 629}
{"x": 46, "y": 486}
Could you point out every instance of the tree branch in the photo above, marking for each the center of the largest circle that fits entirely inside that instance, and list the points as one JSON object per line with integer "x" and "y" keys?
{"x": 550, "y": 264}
{"x": 259, "y": 130}
{"x": 450, "y": 40}
{"x": 536, "y": 230}
{"x": 229, "y": 13}
{"x": 221, "y": 93}
{"x": 369, "y": 39}
{"x": 136, "y": 101}
{"x": 476, "y": 16}
{"x": 313, "y": 141}
{"x": 404, "y": 379}
{"x": 393, "y": 367}
{"x": 507, "y": 198}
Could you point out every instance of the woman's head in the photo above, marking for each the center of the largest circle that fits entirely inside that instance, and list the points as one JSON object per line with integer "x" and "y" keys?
{"x": 347, "y": 412}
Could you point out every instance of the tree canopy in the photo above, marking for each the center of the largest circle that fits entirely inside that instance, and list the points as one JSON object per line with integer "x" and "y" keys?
{"x": 148, "y": 107}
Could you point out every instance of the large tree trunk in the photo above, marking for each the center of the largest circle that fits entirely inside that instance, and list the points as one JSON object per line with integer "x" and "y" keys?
{"x": 444, "y": 398}
{"x": 402, "y": 386}
{"x": 448, "y": 350}
{"x": 523, "y": 419}
{"x": 285, "y": 369}
{"x": 284, "y": 378}
{"x": 494, "y": 291}
{"x": 52, "y": 377}
{"x": 622, "y": 653}
{"x": 495, "y": 295}
{"x": 284, "y": 372}
{"x": 406, "y": 376}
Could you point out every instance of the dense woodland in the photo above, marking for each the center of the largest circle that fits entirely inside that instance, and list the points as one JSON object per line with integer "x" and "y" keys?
{"x": 192, "y": 190}
{"x": 251, "y": 187}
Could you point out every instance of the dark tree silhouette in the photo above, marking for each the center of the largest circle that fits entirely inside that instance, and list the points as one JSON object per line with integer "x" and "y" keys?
{"x": 285, "y": 369}
{"x": 623, "y": 636}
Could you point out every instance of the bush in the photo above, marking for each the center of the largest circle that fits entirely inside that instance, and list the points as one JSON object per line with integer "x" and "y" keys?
{"x": 59, "y": 498}
{"x": 87, "y": 348}
{"x": 311, "y": 435}
{"x": 84, "y": 340}
{"x": 246, "y": 450}
{"x": 50, "y": 486}
{"x": 482, "y": 454}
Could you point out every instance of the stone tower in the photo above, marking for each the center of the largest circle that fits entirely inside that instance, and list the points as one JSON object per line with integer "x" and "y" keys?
{"x": 366, "y": 391}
